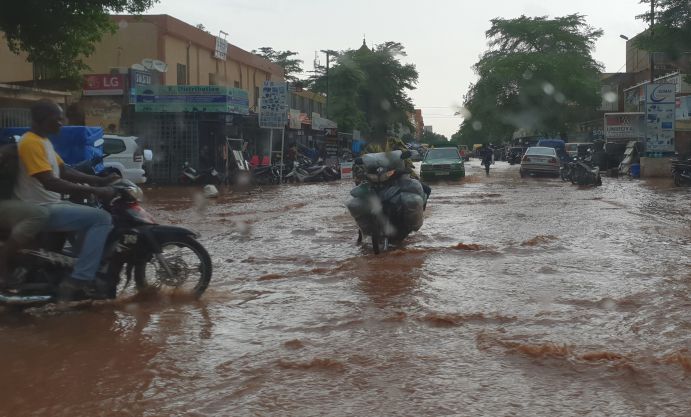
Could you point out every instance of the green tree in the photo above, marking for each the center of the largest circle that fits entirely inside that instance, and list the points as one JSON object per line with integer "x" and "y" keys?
{"x": 368, "y": 89}
{"x": 538, "y": 74}
{"x": 58, "y": 34}
{"x": 671, "y": 32}
{"x": 292, "y": 67}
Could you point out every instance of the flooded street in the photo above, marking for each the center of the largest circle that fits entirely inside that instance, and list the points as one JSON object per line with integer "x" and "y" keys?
{"x": 517, "y": 297}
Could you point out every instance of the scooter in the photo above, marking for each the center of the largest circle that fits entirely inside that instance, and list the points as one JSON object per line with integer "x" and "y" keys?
{"x": 190, "y": 175}
{"x": 388, "y": 204}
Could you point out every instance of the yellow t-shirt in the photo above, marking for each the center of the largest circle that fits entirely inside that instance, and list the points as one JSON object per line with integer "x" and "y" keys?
{"x": 36, "y": 155}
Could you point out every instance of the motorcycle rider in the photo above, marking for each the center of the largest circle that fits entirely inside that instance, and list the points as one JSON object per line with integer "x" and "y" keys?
{"x": 43, "y": 176}
{"x": 391, "y": 144}
{"x": 23, "y": 220}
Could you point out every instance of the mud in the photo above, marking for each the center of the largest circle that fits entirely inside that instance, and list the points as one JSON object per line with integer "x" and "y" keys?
{"x": 558, "y": 301}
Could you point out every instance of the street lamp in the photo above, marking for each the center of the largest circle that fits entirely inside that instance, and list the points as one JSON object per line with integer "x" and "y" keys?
{"x": 624, "y": 37}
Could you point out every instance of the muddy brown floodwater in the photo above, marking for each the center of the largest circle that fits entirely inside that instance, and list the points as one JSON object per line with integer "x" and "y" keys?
{"x": 518, "y": 297}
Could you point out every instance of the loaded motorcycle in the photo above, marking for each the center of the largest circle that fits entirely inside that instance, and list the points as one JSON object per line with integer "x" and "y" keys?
{"x": 388, "y": 204}
{"x": 139, "y": 254}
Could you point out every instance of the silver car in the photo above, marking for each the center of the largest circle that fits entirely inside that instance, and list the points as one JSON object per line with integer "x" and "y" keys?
{"x": 540, "y": 160}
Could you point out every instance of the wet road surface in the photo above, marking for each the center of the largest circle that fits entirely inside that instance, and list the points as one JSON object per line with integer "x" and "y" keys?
{"x": 518, "y": 297}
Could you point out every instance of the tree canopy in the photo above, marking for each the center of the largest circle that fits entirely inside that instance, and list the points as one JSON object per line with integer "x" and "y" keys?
{"x": 292, "y": 67}
{"x": 672, "y": 30}
{"x": 538, "y": 74}
{"x": 58, "y": 34}
{"x": 369, "y": 88}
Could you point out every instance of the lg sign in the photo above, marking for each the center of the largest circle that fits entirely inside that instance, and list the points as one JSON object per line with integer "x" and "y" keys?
{"x": 104, "y": 84}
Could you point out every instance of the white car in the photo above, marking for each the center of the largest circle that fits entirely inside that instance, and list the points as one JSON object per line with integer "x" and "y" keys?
{"x": 125, "y": 158}
{"x": 540, "y": 160}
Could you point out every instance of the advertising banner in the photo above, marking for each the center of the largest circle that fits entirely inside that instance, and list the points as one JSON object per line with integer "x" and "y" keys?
{"x": 273, "y": 105}
{"x": 189, "y": 98}
{"x": 624, "y": 126}
{"x": 294, "y": 119}
{"x": 660, "y": 114}
{"x": 104, "y": 85}
{"x": 683, "y": 113}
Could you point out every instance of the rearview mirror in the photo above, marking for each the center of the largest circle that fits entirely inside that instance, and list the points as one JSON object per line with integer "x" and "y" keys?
{"x": 148, "y": 155}
{"x": 99, "y": 142}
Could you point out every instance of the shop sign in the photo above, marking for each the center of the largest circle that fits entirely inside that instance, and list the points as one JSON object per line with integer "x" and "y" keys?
{"x": 273, "y": 105}
{"x": 187, "y": 98}
{"x": 103, "y": 85}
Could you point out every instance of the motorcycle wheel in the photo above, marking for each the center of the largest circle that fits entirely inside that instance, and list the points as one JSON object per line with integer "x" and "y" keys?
{"x": 185, "y": 256}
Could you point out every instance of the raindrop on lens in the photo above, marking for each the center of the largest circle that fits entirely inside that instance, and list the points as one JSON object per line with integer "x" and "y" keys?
{"x": 528, "y": 75}
{"x": 548, "y": 88}
{"x": 385, "y": 105}
{"x": 610, "y": 97}
{"x": 477, "y": 125}
{"x": 559, "y": 98}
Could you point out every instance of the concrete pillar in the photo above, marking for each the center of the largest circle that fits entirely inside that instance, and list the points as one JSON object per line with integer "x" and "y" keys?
{"x": 656, "y": 167}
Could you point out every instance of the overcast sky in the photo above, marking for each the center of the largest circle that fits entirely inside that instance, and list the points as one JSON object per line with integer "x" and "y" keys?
{"x": 443, "y": 38}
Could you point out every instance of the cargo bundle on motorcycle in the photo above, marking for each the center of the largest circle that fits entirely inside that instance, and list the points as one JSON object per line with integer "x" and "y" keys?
{"x": 387, "y": 204}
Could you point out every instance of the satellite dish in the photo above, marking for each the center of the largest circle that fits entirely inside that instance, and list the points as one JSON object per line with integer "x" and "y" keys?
{"x": 138, "y": 67}
{"x": 148, "y": 63}
{"x": 160, "y": 66}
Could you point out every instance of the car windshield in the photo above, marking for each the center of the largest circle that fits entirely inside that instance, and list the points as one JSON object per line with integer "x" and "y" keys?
{"x": 541, "y": 151}
{"x": 447, "y": 153}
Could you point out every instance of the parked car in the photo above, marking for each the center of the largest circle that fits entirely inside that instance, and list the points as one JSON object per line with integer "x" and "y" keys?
{"x": 558, "y": 145}
{"x": 125, "y": 157}
{"x": 442, "y": 162}
{"x": 540, "y": 160}
{"x": 573, "y": 149}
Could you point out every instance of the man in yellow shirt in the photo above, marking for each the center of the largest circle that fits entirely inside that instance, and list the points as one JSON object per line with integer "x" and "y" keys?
{"x": 43, "y": 177}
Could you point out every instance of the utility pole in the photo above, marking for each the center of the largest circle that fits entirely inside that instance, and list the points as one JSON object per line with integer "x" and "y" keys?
{"x": 328, "y": 53}
{"x": 652, "y": 34}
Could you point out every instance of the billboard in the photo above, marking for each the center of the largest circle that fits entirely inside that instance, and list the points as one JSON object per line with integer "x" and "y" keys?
{"x": 660, "y": 115}
{"x": 191, "y": 98}
{"x": 104, "y": 85}
{"x": 624, "y": 126}
{"x": 273, "y": 105}
{"x": 221, "y": 50}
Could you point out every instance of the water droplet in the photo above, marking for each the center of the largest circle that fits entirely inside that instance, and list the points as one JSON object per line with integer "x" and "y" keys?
{"x": 548, "y": 88}
{"x": 385, "y": 105}
{"x": 528, "y": 74}
{"x": 477, "y": 125}
{"x": 610, "y": 97}
{"x": 559, "y": 98}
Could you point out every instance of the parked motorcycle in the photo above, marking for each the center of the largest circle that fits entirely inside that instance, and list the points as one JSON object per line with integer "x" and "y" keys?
{"x": 388, "y": 205}
{"x": 138, "y": 253}
{"x": 681, "y": 170}
{"x": 190, "y": 175}
{"x": 302, "y": 170}
{"x": 584, "y": 172}
{"x": 266, "y": 175}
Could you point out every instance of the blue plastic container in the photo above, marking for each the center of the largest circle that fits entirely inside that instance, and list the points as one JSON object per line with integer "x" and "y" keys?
{"x": 635, "y": 170}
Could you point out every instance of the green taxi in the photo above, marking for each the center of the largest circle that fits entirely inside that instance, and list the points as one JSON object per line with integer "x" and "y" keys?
{"x": 442, "y": 163}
